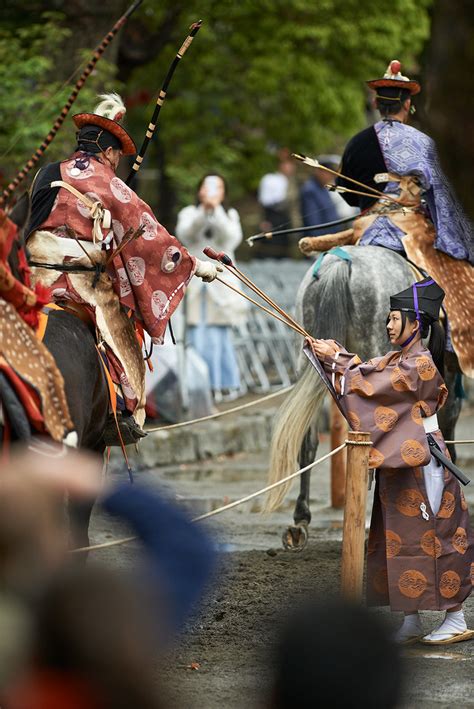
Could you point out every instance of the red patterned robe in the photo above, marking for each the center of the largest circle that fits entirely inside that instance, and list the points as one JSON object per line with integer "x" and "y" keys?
{"x": 417, "y": 560}
{"x": 148, "y": 277}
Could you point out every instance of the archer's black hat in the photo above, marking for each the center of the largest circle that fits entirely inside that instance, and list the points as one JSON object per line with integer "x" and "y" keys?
{"x": 423, "y": 298}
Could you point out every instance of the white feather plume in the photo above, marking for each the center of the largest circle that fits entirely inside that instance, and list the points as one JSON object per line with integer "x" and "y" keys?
{"x": 111, "y": 106}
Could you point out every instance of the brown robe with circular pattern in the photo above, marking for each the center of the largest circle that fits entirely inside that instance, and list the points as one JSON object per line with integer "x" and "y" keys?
{"x": 413, "y": 563}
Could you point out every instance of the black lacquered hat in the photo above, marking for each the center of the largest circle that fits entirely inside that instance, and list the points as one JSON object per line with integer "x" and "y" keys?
{"x": 422, "y": 298}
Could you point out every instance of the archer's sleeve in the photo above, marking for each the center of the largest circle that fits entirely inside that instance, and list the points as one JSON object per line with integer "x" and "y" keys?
{"x": 339, "y": 365}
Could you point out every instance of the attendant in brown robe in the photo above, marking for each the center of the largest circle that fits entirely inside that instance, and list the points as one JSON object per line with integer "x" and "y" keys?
{"x": 421, "y": 549}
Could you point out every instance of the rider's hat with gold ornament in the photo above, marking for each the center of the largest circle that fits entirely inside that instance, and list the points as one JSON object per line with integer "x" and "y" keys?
{"x": 102, "y": 129}
{"x": 394, "y": 79}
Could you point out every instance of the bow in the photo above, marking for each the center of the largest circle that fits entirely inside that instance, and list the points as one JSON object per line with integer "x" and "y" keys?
{"x": 195, "y": 27}
{"x": 298, "y": 229}
{"x": 99, "y": 50}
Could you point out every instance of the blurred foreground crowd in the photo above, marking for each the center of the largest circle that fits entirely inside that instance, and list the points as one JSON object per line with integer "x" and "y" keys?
{"x": 77, "y": 633}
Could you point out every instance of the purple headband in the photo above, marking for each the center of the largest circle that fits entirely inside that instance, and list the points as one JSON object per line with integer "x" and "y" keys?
{"x": 417, "y": 311}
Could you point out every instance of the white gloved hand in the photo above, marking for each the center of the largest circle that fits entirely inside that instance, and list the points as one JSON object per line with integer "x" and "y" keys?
{"x": 207, "y": 271}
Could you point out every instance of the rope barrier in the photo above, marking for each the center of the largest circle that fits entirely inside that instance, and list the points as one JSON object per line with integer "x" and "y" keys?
{"x": 230, "y": 505}
{"x": 233, "y": 410}
{"x": 462, "y": 442}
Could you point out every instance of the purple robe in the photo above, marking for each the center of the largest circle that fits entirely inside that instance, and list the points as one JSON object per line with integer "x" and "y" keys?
{"x": 408, "y": 151}
{"x": 417, "y": 559}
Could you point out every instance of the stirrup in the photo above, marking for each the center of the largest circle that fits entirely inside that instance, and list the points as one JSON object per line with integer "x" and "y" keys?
{"x": 130, "y": 431}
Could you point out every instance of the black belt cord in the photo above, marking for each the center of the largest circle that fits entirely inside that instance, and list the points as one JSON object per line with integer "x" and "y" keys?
{"x": 73, "y": 268}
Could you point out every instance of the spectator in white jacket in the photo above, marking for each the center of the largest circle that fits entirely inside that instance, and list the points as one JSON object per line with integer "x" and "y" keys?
{"x": 212, "y": 309}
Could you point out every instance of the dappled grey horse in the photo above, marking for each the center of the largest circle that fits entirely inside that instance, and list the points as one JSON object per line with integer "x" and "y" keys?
{"x": 348, "y": 301}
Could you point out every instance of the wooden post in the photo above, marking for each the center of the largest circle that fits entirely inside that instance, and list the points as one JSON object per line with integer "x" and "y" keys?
{"x": 338, "y": 428}
{"x": 353, "y": 539}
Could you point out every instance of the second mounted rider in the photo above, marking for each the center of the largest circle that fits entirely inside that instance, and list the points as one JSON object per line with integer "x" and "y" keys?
{"x": 421, "y": 217}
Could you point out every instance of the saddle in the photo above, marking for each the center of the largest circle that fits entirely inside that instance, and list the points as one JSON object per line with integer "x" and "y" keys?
{"x": 30, "y": 379}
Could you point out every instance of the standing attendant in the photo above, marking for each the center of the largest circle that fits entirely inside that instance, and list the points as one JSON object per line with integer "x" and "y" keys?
{"x": 211, "y": 312}
{"x": 421, "y": 548}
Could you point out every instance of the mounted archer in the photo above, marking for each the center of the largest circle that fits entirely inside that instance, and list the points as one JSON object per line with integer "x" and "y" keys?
{"x": 105, "y": 256}
{"x": 418, "y": 215}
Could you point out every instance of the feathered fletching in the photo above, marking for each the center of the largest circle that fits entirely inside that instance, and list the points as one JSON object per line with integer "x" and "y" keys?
{"x": 111, "y": 106}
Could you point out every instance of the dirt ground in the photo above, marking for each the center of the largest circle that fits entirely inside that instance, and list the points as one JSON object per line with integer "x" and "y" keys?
{"x": 231, "y": 638}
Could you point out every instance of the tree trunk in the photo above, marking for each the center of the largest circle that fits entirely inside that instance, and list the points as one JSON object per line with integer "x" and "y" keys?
{"x": 450, "y": 101}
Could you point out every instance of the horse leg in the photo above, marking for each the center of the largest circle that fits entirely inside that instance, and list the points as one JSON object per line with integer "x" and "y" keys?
{"x": 79, "y": 518}
{"x": 72, "y": 345}
{"x": 295, "y": 538}
{"x": 449, "y": 414}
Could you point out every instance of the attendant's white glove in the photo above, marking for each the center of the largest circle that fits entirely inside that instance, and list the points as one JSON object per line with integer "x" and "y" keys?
{"x": 207, "y": 271}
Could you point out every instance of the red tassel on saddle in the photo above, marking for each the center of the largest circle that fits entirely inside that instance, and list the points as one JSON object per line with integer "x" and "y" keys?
{"x": 30, "y": 314}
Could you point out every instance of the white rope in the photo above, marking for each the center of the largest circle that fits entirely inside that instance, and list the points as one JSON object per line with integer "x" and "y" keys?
{"x": 233, "y": 410}
{"x": 462, "y": 442}
{"x": 229, "y": 506}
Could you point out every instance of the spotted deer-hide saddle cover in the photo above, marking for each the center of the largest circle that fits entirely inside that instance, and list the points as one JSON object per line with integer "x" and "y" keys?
{"x": 33, "y": 374}
{"x": 389, "y": 396}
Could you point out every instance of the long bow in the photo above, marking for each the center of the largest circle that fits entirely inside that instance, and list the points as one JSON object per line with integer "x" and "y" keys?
{"x": 99, "y": 50}
{"x": 194, "y": 29}
{"x": 297, "y": 229}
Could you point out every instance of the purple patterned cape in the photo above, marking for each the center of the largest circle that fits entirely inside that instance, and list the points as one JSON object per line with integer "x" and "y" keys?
{"x": 408, "y": 151}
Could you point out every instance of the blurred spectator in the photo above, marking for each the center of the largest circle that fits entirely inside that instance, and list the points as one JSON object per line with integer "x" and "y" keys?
{"x": 278, "y": 194}
{"x": 335, "y": 654}
{"x": 211, "y": 310}
{"x": 94, "y": 632}
{"x": 342, "y": 208}
{"x": 318, "y": 204}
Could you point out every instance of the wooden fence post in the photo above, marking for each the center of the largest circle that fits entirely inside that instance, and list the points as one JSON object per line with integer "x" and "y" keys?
{"x": 353, "y": 540}
{"x": 338, "y": 428}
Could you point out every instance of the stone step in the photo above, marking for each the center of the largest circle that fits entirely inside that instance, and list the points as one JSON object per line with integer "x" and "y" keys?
{"x": 248, "y": 433}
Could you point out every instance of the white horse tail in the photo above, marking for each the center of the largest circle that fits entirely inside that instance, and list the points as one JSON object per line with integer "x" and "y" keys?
{"x": 291, "y": 424}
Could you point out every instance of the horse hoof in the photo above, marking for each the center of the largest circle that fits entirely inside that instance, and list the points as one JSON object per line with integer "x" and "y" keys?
{"x": 295, "y": 538}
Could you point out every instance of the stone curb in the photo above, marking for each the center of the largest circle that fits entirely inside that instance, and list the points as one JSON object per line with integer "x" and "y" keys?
{"x": 248, "y": 433}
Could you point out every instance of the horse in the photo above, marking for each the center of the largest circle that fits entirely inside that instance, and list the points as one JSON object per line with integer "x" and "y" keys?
{"x": 71, "y": 341}
{"x": 348, "y": 301}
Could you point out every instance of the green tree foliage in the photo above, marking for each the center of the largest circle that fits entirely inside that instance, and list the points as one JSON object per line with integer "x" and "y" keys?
{"x": 261, "y": 74}
{"x": 31, "y": 97}
{"x": 273, "y": 73}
